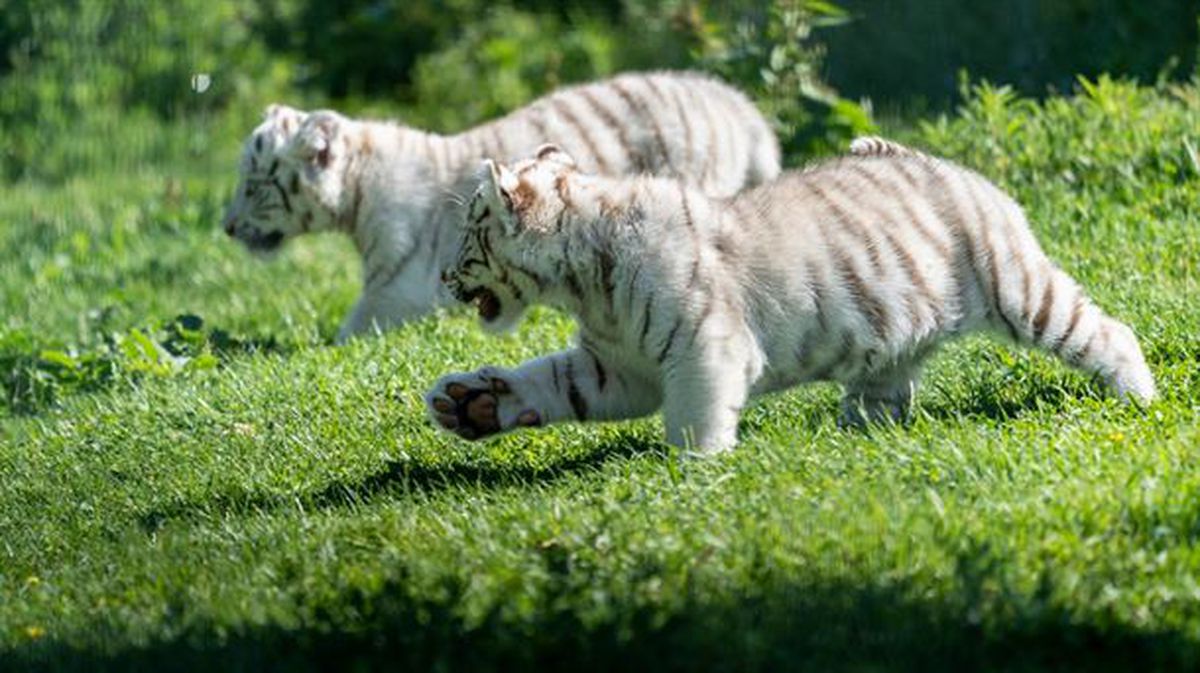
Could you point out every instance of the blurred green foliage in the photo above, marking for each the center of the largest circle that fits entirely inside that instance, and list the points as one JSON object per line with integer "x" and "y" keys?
{"x": 369, "y": 48}
{"x": 516, "y": 55}
{"x": 128, "y": 84}
{"x": 79, "y": 77}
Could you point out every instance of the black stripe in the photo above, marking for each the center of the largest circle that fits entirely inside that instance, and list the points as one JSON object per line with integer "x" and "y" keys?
{"x": 994, "y": 265}
{"x": 563, "y": 109}
{"x": 640, "y": 109}
{"x": 537, "y": 279}
{"x": 645, "y": 324}
{"x": 569, "y": 276}
{"x": 1076, "y": 314}
{"x": 287, "y": 203}
{"x": 1042, "y": 320}
{"x": 615, "y": 126}
{"x": 666, "y": 348}
{"x": 900, "y": 252}
{"x": 601, "y": 373}
{"x": 539, "y": 126}
{"x": 606, "y": 263}
{"x": 632, "y": 285}
{"x": 901, "y": 168}
{"x": 484, "y": 241}
{"x": 689, "y": 141}
{"x": 578, "y": 404}
{"x": 877, "y": 313}
{"x": 396, "y": 269}
{"x": 708, "y": 305}
{"x": 516, "y": 291}
{"x": 848, "y": 222}
{"x": 1083, "y": 353}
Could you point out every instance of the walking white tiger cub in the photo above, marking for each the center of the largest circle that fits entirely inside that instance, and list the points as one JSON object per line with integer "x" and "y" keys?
{"x": 398, "y": 191}
{"x": 854, "y": 270}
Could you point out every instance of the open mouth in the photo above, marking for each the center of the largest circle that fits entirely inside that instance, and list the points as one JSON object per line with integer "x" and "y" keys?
{"x": 487, "y": 304}
{"x": 265, "y": 242}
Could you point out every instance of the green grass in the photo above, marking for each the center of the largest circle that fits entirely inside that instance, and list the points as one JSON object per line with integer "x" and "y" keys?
{"x": 248, "y": 496}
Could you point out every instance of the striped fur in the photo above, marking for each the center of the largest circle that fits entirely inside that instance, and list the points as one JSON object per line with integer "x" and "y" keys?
{"x": 874, "y": 146}
{"x": 398, "y": 191}
{"x": 852, "y": 271}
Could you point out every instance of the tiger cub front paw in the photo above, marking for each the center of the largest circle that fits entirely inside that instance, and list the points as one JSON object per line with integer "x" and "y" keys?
{"x": 479, "y": 404}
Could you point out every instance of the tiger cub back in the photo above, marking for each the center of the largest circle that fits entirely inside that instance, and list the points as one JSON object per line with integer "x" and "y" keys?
{"x": 854, "y": 271}
{"x": 682, "y": 125}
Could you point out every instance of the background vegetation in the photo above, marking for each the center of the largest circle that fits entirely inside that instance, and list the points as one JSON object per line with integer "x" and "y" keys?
{"x": 912, "y": 52}
{"x": 191, "y": 476}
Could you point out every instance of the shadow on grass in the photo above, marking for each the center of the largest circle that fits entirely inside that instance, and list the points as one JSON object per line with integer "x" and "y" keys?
{"x": 397, "y": 476}
{"x": 819, "y": 627}
{"x": 997, "y": 405}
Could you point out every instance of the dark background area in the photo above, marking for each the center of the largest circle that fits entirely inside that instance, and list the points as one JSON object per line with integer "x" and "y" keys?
{"x": 901, "y": 52}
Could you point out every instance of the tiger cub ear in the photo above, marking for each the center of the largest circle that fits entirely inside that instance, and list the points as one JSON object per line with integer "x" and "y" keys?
{"x": 500, "y": 182}
{"x": 315, "y": 141}
{"x": 503, "y": 185}
{"x": 284, "y": 117}
{"x": 554, "y": 153}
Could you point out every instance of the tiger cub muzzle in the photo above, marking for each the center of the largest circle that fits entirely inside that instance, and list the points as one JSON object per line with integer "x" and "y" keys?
{"x": 486, "y": 303}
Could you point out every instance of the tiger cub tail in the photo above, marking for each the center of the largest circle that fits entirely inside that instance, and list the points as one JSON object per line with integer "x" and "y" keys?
{"x": 874, "y": 146}
{"x": 1058, "y": 317}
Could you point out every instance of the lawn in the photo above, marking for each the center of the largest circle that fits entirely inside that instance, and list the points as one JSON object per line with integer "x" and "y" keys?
{"x": 191, "y": 475}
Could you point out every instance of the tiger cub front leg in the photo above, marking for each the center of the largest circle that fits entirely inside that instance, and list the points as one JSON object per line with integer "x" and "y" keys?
{"x": 569, "y": 385}
{"x": 705, "y": 389}
{"x": 383, "y": 306}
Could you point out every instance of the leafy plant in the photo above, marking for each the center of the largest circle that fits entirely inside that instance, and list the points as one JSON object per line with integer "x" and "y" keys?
{"x": 772, "y": 53}
{"x": 35, "y": 377}
{"x": 505, "y": 59}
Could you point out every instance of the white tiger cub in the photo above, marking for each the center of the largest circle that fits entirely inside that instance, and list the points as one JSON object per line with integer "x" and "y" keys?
{"x": 398, "y": 191}
{"x": 854, "y": 270}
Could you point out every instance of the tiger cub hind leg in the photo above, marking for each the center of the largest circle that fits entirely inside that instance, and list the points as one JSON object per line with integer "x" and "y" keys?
{"x": 884, "y": 396}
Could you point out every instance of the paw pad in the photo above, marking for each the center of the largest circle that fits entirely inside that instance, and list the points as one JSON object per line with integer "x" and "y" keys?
{"x": 472, "y": 410}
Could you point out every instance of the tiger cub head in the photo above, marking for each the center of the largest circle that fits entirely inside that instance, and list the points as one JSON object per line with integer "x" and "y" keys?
{"x": 289, "y": 178}
{"x": 507, "y": 257}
